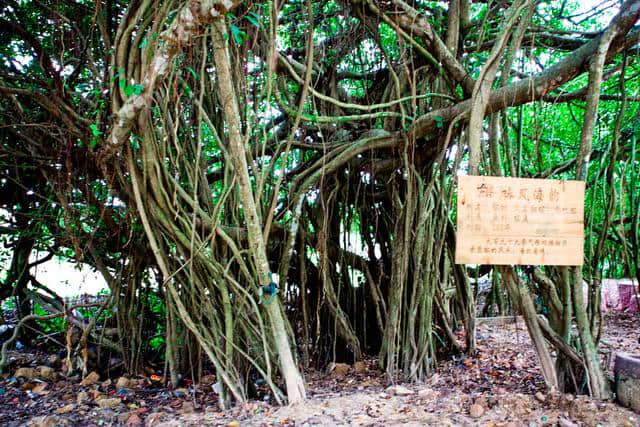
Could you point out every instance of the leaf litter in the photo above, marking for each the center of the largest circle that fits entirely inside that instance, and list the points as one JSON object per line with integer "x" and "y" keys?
{"x": 500, "y": 387}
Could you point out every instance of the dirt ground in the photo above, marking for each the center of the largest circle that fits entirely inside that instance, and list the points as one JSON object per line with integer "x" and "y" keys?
{"x": 501, "y": 387}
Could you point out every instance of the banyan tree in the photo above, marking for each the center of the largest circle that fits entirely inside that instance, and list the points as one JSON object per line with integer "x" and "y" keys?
{"x": 283, "y": 174}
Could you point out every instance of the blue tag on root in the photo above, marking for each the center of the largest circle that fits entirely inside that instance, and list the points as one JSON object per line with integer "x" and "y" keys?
{"x": 268, "y": 292}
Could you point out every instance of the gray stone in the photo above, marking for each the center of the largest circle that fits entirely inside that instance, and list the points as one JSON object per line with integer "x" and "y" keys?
{"x": 627, "y": 372}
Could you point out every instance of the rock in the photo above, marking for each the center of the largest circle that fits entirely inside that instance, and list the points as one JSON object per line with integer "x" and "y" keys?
{"x": 154, "y": 419}
{"x": 135, "y": 382}
{"x": 90, "y": 379}
{"x": 187, "y": 408}
{"x": 65, "y": 409}
{"x": 48, "y": 421}
{"x": 83, "y": 396}
{"x": 47, "y": 373}
{"x": 339, "y": 370}
{"x": 399, "y": 390}
{"x": 95, "y": 394}
{"x": 627, "y": 375}
{"x": 427, "y": 393}
{"x": 109, "y": 402}
{"x": 28, "y": 386}
{"x": 40, "y": 389}
{"x": 540, "y": 397}
{"x": 123, "y": 382}
{"x": 563, "y": 422}
{"x": 482, "y": 401}
{"x": 360, "y": 367}
{"x": 133, "y": 421}
{"x": 121, "y": 418}
{"x": 28, "y": 373}
{"x": 476, "y": 411}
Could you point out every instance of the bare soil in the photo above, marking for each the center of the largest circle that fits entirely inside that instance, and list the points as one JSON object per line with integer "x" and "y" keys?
{"x": 502, "y": 386}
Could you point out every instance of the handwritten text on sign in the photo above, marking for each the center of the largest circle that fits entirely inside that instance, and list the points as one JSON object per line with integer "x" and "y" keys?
{"x": 519, "y": 221}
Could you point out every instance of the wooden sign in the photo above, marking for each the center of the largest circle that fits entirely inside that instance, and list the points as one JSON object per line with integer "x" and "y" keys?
{"x": 519, "y": 221}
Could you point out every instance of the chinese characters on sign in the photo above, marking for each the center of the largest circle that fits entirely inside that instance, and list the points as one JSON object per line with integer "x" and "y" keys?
{"x": 519, "y": 221}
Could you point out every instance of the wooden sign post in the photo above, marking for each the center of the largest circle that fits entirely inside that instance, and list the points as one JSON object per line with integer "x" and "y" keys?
{"x": 519, "y": 221}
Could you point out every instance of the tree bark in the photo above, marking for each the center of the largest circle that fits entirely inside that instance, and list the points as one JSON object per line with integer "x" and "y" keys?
{"x": 293, "y": 378}
{"x": 520, "y": 295}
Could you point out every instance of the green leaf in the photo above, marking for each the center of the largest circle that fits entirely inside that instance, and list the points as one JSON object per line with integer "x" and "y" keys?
{"x": 191, "y": 70}
{"x": 188, "y": 90}
{"x": 253, "y": 18}
{"x": 439, "y": 123}
{"x": 133, "y": 89}
{"x": 238, "y": 35}
{"x": 116, "y": 76}
{"x": 94, "y": 130}
{"x": 135, "y": 140}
